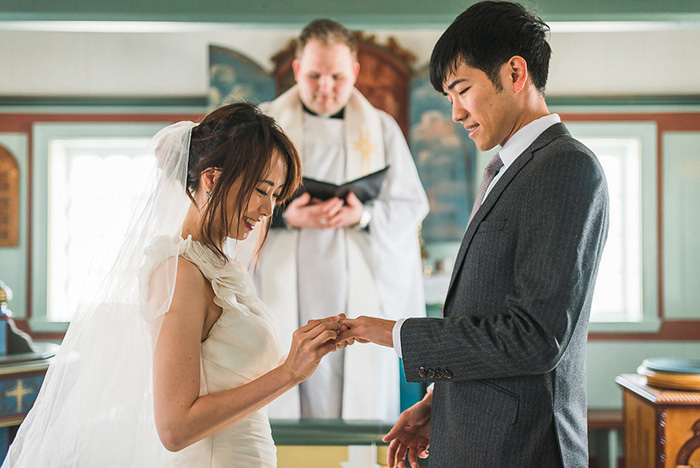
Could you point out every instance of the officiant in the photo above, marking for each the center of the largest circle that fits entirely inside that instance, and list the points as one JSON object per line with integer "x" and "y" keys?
{"x": 341, "y": 255}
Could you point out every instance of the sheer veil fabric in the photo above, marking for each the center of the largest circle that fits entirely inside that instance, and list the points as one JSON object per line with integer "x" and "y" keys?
{"x": 95, "y": 407}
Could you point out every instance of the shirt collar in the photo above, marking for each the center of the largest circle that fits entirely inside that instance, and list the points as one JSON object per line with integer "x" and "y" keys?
{"x": 338, "y": 115}
{"x": 524, "y": 137}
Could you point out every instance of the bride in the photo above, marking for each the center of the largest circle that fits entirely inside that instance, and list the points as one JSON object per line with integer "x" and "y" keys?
{"x": 175, "y": 360}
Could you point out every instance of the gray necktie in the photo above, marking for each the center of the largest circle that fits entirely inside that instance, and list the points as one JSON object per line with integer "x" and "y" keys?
{"x": 490, "y": 172}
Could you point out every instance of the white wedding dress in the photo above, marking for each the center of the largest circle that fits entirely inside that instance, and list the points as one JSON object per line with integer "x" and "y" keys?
{"x": 95, "y": 407}
{"x": 241, "y": 346}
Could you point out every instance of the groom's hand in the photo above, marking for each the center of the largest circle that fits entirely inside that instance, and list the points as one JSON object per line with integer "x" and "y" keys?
{"x": 365, "y": 329}
{"x": 410, "y": 435}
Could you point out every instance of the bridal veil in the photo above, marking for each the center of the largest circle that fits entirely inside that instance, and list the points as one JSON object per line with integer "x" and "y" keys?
{"x": 95, "y": 407}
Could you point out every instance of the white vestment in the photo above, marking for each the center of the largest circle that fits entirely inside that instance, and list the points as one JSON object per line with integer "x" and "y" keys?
{"x": 313, "y": 273}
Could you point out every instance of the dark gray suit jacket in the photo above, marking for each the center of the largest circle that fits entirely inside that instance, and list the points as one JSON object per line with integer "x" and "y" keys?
{"x": 509, "y": 357}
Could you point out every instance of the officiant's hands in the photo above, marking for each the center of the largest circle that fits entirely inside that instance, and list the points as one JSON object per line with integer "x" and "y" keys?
{"x": 410, "y": 435}
{"x": 307, "y": 212}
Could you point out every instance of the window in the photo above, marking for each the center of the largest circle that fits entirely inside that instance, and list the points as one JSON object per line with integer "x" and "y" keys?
{"x": 617, "y": 296}
{"x": 84, "y": 179}
{"x": 626, "y": 292}
{"x": 625, "y": 297}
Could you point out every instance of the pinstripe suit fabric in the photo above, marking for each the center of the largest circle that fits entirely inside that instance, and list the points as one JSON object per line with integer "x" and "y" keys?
{"x": 513, "y": 336}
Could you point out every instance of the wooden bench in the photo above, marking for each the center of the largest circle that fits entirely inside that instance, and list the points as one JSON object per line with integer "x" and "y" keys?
{"x": 604, "y": 434}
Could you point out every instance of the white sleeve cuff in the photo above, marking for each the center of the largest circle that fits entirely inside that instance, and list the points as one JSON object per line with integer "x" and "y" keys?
{"x": 396, "y": 336}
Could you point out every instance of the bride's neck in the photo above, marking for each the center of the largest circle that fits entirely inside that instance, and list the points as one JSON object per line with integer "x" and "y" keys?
{"x": 192, "y": 225}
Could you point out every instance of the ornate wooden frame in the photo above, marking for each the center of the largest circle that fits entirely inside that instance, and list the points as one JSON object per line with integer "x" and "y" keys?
{"x": 689, "y": 447}
{"x": 9, "y": 199}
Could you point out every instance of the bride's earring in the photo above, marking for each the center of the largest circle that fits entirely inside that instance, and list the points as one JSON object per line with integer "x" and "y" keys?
{"x": 208, "y": 193}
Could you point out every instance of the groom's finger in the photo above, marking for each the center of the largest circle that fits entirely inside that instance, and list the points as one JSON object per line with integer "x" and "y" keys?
{"x": 394, "y": 432}
{"x": 391, "y": 453}
{"x": 349, "y": 321}
{"x": 347, "y": 335}
{"x": 401, "y": 455}
{"x": 413, "y": 457}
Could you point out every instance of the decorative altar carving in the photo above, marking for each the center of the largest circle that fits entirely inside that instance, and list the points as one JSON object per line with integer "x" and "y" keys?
{"x": 9, "y": 199}
{"x": 661, "y": 427}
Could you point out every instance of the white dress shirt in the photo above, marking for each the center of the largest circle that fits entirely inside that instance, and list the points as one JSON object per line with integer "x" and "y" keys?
{"x": 513, "y": 148}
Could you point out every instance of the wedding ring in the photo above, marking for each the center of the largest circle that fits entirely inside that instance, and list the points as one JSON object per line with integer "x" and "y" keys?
{"x": 323, "y": 222}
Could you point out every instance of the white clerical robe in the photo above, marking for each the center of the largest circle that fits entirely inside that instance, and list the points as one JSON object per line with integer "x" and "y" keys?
{"x": 362, "y": 381}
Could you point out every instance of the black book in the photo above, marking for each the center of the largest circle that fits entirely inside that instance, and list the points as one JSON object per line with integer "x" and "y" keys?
{"x": 365, "y": 188}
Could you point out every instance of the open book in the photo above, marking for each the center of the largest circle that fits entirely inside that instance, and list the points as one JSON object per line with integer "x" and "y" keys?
{"x": 365, "y": 188}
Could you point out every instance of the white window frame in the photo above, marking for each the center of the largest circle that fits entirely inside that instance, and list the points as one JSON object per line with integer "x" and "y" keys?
{"x": 42, "y": 134}
{"x": 646, "y": 134}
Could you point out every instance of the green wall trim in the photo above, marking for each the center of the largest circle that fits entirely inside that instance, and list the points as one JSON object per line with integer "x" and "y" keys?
{"x": 615, "y": 101}
{"x": 104, "y": 101}
{"x": 199, "y": 103}
{"x": 358, "y": 13}
{"x": 328, "y": 431}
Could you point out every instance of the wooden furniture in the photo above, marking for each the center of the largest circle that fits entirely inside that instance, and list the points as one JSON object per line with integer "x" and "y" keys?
{"x": 661, "y": 427}
{"x": 9, "y": 199}
{"x": 21, "y": 376}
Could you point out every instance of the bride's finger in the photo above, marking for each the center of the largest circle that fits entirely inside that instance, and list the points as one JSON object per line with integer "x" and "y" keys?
{"x": 313, "y": 328}
{"x": 332, "y": 318}
{"x": 327, "y": 348}
{"x": 323, "y": 336}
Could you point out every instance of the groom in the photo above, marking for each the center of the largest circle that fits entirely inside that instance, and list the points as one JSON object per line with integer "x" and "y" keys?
{"x": 508, "y": 359}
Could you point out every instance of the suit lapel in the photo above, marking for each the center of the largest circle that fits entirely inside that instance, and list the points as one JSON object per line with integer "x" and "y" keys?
{"x": 521, "y": 161}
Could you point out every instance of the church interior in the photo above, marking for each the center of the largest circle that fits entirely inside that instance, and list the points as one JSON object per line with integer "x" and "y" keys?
{"x": 623, "y": 77}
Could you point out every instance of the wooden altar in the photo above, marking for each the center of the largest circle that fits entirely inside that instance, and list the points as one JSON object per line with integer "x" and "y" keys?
{"x": 661, "y": 427}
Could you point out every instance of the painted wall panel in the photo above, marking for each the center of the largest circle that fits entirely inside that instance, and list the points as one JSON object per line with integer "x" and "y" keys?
{"x": 608, "y": 359}
{"x": 13, "y": 260}
{"x": 102, "y": 63}
{"x": 681, "y": 224}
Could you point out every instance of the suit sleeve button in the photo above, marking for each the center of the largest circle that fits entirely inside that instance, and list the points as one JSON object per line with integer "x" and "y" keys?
{"x": 448, "y": 374}
{"x": 431, "y": 373}
{"x": 439, "y": 373}
{"x": 421, "y": 372}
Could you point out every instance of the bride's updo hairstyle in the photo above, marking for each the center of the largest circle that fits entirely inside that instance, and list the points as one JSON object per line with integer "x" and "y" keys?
{"x": 240, "y": 141}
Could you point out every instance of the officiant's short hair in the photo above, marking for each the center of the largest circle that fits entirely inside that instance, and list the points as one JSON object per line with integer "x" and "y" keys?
{"x": 328, "y": 32}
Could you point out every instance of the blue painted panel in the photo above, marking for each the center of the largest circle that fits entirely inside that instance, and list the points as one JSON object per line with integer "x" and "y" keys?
{"x": 4, "y": 441}
{"x": 445, "y": 158}
{"x": 3, "y": 337}
{"x": 233, "y": 77}
{"x": 18, "y": 395}
{"x": 410, "y": 392}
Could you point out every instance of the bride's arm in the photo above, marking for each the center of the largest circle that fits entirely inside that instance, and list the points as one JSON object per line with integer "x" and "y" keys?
{"x": 182, "y": 416}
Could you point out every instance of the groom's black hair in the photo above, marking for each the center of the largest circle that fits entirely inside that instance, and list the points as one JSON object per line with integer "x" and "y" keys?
{"x": 487, "y": 35}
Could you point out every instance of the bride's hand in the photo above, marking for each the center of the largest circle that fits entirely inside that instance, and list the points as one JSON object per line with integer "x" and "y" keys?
{"x": 339, "y": 344}
{"x": 309, "y": 344}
